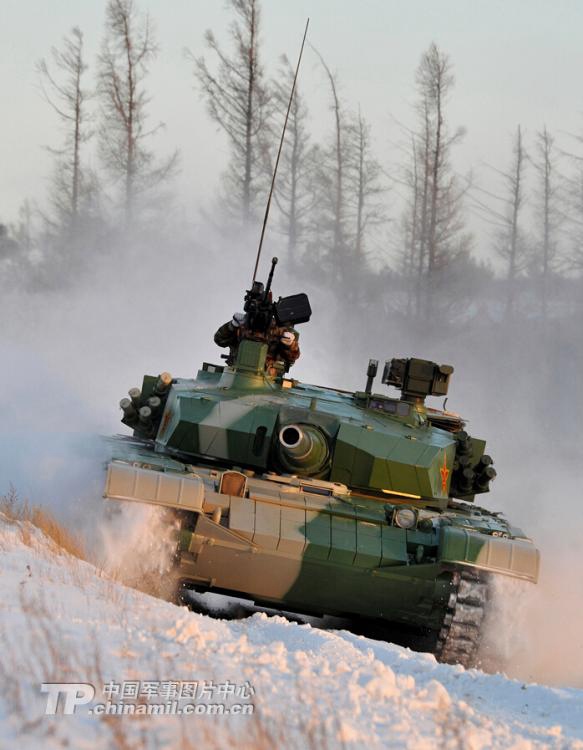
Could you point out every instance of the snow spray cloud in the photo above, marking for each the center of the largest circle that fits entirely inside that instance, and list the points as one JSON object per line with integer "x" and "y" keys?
{"x": 534, "y": 632}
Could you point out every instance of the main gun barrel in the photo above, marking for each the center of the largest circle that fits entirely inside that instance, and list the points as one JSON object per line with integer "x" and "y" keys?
{"x": 302, "y": 449}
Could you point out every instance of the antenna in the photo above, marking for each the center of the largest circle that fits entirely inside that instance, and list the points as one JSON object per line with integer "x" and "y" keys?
{"x": 279, "y": 154}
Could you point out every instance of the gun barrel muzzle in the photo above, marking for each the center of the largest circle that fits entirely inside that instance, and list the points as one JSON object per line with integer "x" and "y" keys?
{"x": 302, "y": 449}
{"x": 295, "y": 441}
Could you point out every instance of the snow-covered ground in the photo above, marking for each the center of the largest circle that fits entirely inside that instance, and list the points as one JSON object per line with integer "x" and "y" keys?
{"x": 63, "y": 620}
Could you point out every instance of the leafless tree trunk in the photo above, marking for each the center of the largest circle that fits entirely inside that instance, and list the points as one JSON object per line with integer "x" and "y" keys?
{"x": 510, "y": 246}
{"x": 408, "y": 252}
{"x": 441, "y": 228}
{"x": 439, "y": 82}
{"x": 348, "y": 188}
{"x": 548, "y": 217}
{"x": 330, "y": 221}
{"x": 363, "y": 175}
{"x": 64, "y": 91}
{"x": 238, "y": 101}
{"x": 517, "y": 194}
{"x": 251, "y": 62}
{"x": 294, "y": 194}
{"x": 360, "y": 192}
{"x": 293, "y": 214}
{"x": 128, "y": 49}
{"x": 423, "y": 217}
{"x": 338, "y": 158}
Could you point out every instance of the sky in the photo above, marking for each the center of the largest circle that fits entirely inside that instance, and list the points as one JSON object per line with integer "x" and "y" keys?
{"x": 515, "y": 61}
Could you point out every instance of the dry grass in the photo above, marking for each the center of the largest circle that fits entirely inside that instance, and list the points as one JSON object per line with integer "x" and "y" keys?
{"x": 51, "y": 656}
{"x": 17, "y": 510}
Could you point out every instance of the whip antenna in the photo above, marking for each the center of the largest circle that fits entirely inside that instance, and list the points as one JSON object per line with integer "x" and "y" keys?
{"x": 279, "y": 153}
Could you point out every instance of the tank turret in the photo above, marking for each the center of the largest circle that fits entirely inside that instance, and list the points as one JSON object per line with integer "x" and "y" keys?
{"x": 370, "y": 442}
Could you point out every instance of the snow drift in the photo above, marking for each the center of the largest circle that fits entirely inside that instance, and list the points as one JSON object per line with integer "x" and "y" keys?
{"x": 63, "y": 620}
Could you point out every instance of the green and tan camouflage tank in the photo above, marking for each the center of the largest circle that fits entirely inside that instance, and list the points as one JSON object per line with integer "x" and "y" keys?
{"x": 314, "y": 500}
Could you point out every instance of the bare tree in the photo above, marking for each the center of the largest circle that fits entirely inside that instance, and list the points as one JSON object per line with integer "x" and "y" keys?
{"x": 571, "y": 212}
{"x": 574, "y": 218}
{"x": 348, "y": 187}
{"x": 238, "y": 101}
{"x": 548, "y": 218}
{"x": 128, "y": 48}
{"x": 420, "y": 187}
{"x": 330, "y": 222}
{"x": 437, "y": 193}
{"x": 62, "y": 85}
{"x": 364, "y": 186}
{"x": 434, "y": 80}
{"x": 511, "y": 245}
{"x": 294, "y": 194}
{"x": 408, "y": 240}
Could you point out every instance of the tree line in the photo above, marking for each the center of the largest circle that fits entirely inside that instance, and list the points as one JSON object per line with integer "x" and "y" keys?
{"x": 384, "y": 236}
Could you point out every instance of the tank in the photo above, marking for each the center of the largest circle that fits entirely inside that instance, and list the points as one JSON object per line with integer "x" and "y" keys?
{"x": 309, "y": 499}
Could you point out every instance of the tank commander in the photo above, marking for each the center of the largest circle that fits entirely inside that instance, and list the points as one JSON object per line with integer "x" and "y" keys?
{"x": 282, "y": 342}
{"x": 229, "y": 334}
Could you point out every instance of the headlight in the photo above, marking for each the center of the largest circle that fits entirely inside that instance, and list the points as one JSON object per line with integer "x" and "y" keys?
{"x": 405, "y": 518}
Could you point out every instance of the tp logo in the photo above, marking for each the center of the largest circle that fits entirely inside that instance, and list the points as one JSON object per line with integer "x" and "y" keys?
{"x": 76, "y": 694}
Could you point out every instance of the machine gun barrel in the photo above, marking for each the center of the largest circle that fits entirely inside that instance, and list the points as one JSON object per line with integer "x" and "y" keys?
{"x": 270, "y": 278}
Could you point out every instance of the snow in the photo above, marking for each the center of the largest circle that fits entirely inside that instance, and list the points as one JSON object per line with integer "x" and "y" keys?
{"x": 64, "y": 620}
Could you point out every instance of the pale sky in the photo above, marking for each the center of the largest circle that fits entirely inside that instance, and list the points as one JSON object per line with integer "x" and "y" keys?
{"x": 516, "y": 61}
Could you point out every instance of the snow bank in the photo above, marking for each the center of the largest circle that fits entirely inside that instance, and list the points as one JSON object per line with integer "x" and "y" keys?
{"x": 62, "y": 620}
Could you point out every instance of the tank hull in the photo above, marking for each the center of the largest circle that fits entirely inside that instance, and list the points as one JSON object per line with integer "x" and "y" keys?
{"x": 312, "y": 546}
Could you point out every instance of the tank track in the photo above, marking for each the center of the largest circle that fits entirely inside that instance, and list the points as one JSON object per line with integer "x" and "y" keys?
{"x": 459, "y": 637}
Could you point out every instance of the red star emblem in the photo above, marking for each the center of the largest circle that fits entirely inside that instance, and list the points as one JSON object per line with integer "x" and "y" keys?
{"x": 444, "y": 471}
